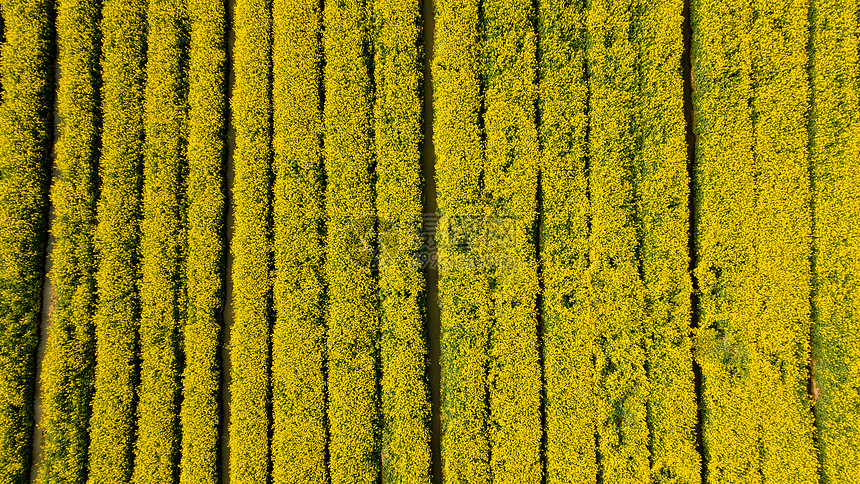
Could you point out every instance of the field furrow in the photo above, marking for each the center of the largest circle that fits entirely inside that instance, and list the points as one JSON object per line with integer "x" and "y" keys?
{"x": 725, "y": 238}
{"x": 24, "y": 122}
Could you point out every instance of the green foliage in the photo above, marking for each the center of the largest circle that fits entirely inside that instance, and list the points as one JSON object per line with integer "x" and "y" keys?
{"x": 510, "y": 179}
{"x": 405, "y": 404}
{"x": 353, "y": 320}
{"x": 751, "y": 100}
{"x": 835, "y": 156}
{"x": 24, "y": 112}
{"x": 117, "y": 241}
{"x": 204, "y": 273}
{"x": 298, "y": 346}
{"x": 67, "y": 371}
{"x": 663, "y": 191}
{"x": 463, "y": 286}
{"x": 251, "y": 245}
{"x": 163, "y": 244}
{"x": 568, "y": 337}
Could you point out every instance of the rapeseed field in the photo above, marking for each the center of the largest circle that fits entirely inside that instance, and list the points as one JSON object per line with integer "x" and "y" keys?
{"x": 437, "y": 241}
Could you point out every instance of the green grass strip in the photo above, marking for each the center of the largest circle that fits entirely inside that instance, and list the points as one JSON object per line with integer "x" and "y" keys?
{"x": 568, "y": 337}
{"x": 353, "y": 320}
{"x": 751, "y": 100}
{"x": 67, "y": 371}
{"x": 405, "y": 403}
{"x": 780, "y": 108}
{"x": 205, "y": 198}
{"x": 510, "y": 183}
{"x": 298, "y": 347}
{"x": 251, "y": 246}
{"x": 663, "y": 192}
{"x": 117, "y": 241}
{"x": 163, "y": 244}
{"x": 463, "y": 285}
{"x": 24, "y": 169}
{"x": 835, "y": 156}
{"x": 617, "y": 304}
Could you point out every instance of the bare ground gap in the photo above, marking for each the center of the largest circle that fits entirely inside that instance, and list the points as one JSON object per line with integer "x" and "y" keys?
{"x": 538, "y": 234}
{"x": 227, "y": 230}
{"x": 811, "y": 386}
{"x": 323, "y": 228}
{"x": 431, "y": 274}
{"x": 369, "y": 54}
{"x": 46, "y": 289}
{"x": 692, "y": 203}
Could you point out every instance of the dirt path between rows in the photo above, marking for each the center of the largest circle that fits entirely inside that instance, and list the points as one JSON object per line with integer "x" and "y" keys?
{"x": 431, "y": 274}
{"x": 227, "y": 308}
{"x": 47, "y": 300}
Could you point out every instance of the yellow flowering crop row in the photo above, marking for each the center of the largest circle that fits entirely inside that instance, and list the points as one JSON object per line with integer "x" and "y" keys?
{"x": 512, "y": 157}
{"x": 117, "y": 242}
{"x": 780, "y": 113}
{"x": 568, "y": 339}
{"x": 663, "y": 191}
{"x": 298, "y": 346}
{"x": 405, "y": 450}
{"x": 616, "y": 290}
{"x": 162, "y": 291}
{"x": 205, "y": 185}
{"x": 67, "y": 371}
{"x": 725, "y": 230}
{"x": 24, "y": 114}
{"x": 251, "y": 245}
{"x": 352, "y": 316}
{"x": 753, "y": 236}
{"x": 463, "y": 285}
{"x": 835, "y": 157}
